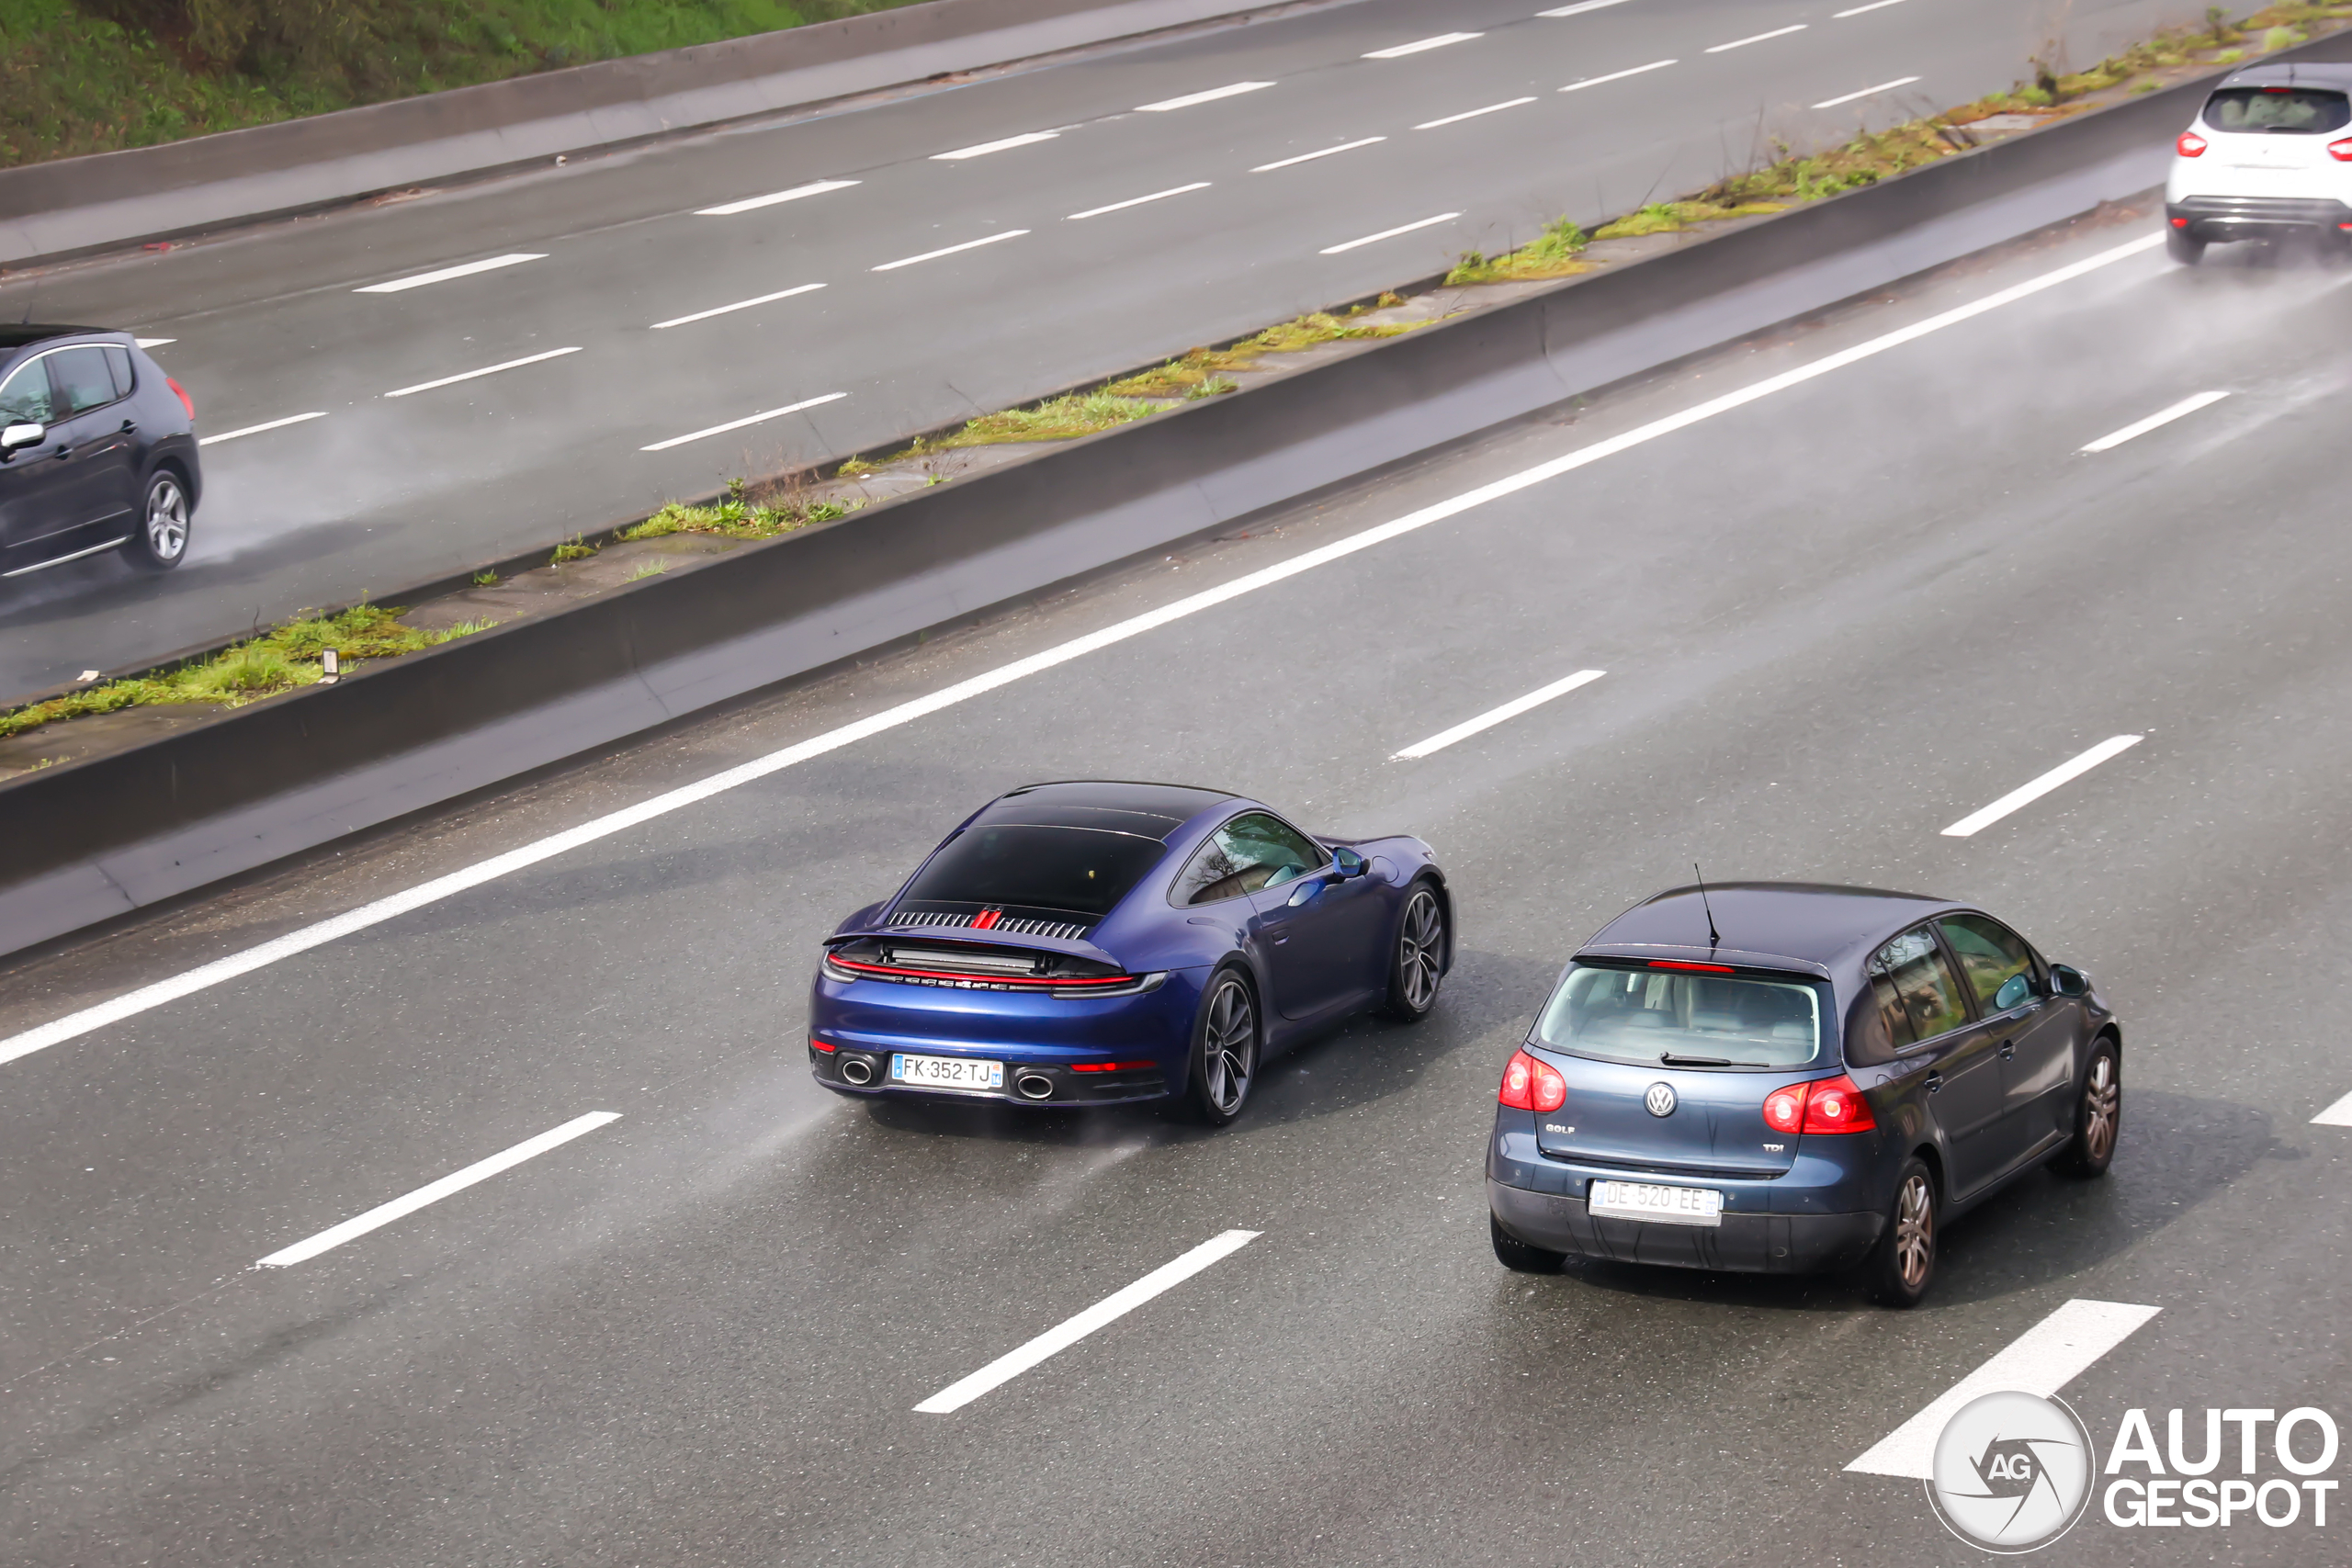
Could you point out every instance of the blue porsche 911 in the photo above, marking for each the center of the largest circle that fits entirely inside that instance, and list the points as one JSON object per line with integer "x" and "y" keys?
{"x": 1094, "y": 944}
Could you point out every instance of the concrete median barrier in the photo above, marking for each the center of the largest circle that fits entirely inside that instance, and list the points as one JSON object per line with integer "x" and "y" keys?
{"x": 100, "y": 838}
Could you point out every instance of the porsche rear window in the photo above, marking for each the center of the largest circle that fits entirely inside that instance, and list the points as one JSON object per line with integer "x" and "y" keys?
{"x": 2296, "y": 111}
{"x": 1083, "y": 870}
{"x": 1683, "y": 1020}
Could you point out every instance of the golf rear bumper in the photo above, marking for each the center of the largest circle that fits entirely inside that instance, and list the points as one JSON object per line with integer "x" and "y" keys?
{"x": 1756, "y": 1244}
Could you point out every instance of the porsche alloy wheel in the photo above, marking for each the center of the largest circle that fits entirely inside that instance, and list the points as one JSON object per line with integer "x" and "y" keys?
{"x": 1225, "y": 1051}
{"x": 1418, "y": 963}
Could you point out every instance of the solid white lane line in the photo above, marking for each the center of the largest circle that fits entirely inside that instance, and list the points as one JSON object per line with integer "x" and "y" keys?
{"x": 420, "y": 279}
{"x": 1320, "y": 152}
{"x": 1212, "y": 95}
{"x": 1398, "y": 51}
{"x": 153, "y": 342}
{"x": 1029, "y": 139}
{"x": 2027, "y": 794}
{"x": 1110, "y": 1309}
{"x": 753, "y": 203}
{"x": 2160, "y": 417}
{"x": 1873, "y": 5}
{"x": 1580, "y": 7}
{"x": 257, "y": 429}
{"x": 434, "y": 1191}
{"x": 1390, "y": 233}
{"x": 2043, "y": 1359}
{"x": 1867, "y": 91}
{"x": 951, "y": 250}
{"x": 1618, "y": 75}
{"x": 1472, "y": 114}
{"x": 748, "y": 420}
{"x": 1759, "y": 38}
{"x": 485, "y": 370}
{"x": 130, "y": 1004}
{"x": 1494, "y": 716}
{"x": 739, "y": 305}
{"x": 2336, "y": 1115}
{"x": 1138, "y": 200}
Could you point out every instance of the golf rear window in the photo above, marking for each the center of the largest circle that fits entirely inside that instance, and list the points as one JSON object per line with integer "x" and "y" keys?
{"x": 1083, "y": 870}
{"x": 2298, "y": 111}
{"x": 1678, "y": 1019}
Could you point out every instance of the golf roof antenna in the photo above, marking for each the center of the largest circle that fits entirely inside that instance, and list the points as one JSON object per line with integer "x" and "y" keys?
{"x": 1714, "y": 941}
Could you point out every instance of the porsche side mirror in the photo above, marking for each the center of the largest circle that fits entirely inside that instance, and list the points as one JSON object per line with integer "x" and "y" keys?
{"x": 16, "y": 437}
{"x": 2068, "y": 981}
{"x": 1350, "y": 863}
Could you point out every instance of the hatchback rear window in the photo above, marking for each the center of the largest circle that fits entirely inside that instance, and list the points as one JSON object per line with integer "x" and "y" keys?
{"x": 2295, "y": 111}
{"x": 1683, "y": 1020}
{"x": 1083, "y": 870}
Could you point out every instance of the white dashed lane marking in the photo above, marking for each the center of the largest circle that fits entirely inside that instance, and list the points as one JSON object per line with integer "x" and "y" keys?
{"x": 2045, "y": 1359}
{"x": 434, "y": 1191}
{"x": 2156, "y": 421}
{"x": 1493, "y": 717}
{"x": 418, "y": 280}
{"x": 2026, "y": 795}
{"x": 1110, "y": 1309}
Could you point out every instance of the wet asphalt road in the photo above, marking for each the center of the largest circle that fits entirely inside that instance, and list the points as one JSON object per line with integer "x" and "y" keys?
{"x": 1833, "y": 621}
{"x": 382, "y": 492}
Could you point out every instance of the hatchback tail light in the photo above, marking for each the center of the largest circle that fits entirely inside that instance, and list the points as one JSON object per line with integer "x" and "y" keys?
{"x": 2341, "y": 150}
{"x": 181, "y": 392}
{"x": 1836, "y": 1105}
{"x": 2192, "y": 145}
{"x": 1822, "y": 1105}
{"x": 1530, "y": 1085}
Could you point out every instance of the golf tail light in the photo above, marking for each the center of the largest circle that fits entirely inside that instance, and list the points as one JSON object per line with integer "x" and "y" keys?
{"x": 2341, "y": 150}
{"x": 1836, "y": 1105}
{"x": 2192, "y": 145}
{"x": 188, "y": 402}
{"x": 1784, "y": 1108}
{"x": 1530, "y": 1085}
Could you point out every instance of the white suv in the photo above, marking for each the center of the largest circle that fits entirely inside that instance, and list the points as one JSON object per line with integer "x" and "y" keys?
{"x": 2270, "y": 153}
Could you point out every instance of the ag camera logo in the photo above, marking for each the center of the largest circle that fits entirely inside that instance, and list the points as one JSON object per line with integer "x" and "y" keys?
{"x": 2012, "y": 1472}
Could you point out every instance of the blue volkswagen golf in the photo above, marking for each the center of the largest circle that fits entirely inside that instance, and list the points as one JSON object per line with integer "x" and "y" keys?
{"x": 1786, "y": 1078}
{"x": 1094, "y": 944}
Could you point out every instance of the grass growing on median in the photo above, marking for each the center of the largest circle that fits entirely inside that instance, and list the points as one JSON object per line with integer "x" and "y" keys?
{"x": 738, "y": 517}
{"x": 1204, "y": 372}
{"x": 1552, "y": 254}
{"x": 279, "y": 660}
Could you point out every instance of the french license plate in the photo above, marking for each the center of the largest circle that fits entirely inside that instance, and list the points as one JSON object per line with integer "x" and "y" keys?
{"x": 1659, "y": 1205}
{"x": 946, "y": 1072}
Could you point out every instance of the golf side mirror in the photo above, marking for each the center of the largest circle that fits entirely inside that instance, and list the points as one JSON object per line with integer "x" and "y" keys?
{"x": 2068, "y": 981}
{"x": 16, "y": 437}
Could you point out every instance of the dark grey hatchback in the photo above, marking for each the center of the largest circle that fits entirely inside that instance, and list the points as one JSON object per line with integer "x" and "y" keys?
{"x": 98, "y": 451}
{"x": 1789, "y": 1078}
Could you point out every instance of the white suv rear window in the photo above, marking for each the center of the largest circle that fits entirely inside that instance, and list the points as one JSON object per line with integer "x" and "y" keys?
{"x": 2294, "y": 112}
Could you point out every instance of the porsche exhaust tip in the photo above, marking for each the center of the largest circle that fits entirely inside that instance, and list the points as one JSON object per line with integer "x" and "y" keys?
{"x": 1034, "y": 1086}
{"x": 857, "y": 1070}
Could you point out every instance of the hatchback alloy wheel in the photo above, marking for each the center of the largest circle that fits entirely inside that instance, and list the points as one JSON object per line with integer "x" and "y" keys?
{"x": 162, "y": 538}
{"x": 1914, "y": 1232}
{"x": 2101, "y": 1100}
{"x": 2098, "y": 1118}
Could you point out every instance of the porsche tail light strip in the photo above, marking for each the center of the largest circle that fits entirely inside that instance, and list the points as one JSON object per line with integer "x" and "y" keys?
{"x": 1033, "y": 983}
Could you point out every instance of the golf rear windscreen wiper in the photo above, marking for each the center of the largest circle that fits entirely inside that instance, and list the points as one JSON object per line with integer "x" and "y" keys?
{"x": 1671, "y": 1060}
